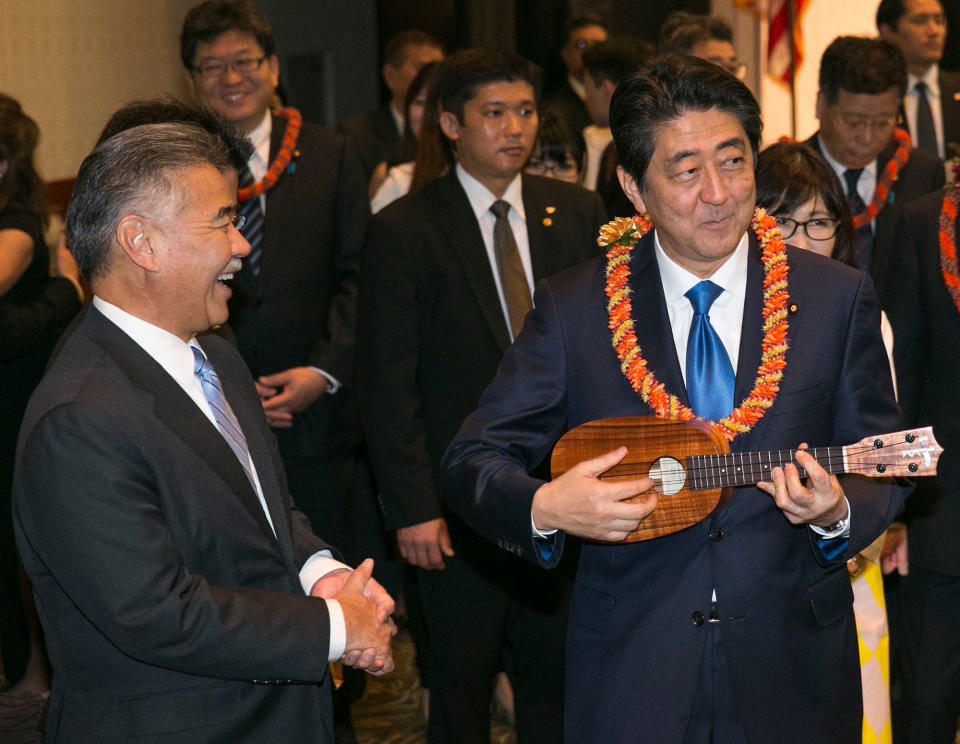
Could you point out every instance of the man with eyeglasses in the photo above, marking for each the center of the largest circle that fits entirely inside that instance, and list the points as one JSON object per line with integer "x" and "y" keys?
{"x": 568, "y": 95}
{"x": 703, "y": 36}
{"x": 294, "y": 301}
{"x": 931, "y": 106}
{"x": 861, "y": 86}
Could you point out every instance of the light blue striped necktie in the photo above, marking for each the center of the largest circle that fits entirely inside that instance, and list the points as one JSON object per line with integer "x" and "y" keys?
{"x": 222, "y": 413}
{"x": 710, "y": 377}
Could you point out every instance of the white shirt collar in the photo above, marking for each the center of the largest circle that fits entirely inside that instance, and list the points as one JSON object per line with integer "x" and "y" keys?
{"x": 481, "y": 199}
{"x": 260, "y": 138}
{"x": 676, "y": 280}
{"x": 398, "y": 118}
{"x": 168, "y": 350}
{"x": 578, "y": 87}
{"x": 932, "y": 79}
{"x": 839, "y": 168}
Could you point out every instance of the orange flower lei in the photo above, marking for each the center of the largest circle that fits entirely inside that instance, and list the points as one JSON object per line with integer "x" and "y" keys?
{"x": 889, "y": 177}
{"x": 948, "y": 248}
{"x": 283, "y": 158}
{"x": 621, "y": 236}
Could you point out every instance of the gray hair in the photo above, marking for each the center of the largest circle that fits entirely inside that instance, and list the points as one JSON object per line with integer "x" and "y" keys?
{"x": 130, "y": 173}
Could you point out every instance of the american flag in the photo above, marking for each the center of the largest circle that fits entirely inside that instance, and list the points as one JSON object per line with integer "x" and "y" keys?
{"x": 781, "y": 16}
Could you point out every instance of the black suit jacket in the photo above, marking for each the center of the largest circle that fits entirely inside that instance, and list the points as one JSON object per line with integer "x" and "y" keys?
{"x": 431, "y": 327}
{"x": 636, "y": 618}
{"x": 949, "y": 109}
{"x": 301, "y": 310}
{"x": 926, "y": 331}
{"x": 162, "y": 590}
{"x": 376, "y": 138}
{"x": 922, "y": 174}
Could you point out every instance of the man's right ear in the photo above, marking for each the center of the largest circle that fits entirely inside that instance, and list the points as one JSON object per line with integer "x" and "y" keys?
{"x": 631, "y": 189}
{"x": 135, "y": 242}
{"x": 449, "y": 125}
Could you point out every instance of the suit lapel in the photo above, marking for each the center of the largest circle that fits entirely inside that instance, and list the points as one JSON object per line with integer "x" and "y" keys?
{"x": 459, "y": 223}
{"x": 651, "y": 323}
{"x": 173, "y": 407}
{"x": 545, "y": 258}
{"x": 751, "y": 327}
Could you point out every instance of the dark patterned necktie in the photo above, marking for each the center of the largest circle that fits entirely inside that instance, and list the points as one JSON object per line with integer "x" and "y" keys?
{"x": 864, "y": 233}
{"x": 710, "y": 377}
{"x": 926, "y": 131}
{"x": 253, "y": 224}
{"x": 513, "y": 278}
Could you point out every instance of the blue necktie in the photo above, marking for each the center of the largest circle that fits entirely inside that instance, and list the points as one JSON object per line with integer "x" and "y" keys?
{"x": 864, "y": 233}
{"x": 222, "y": 413}
{"x": 252, "y": 229}
{"x": 710, "y": 377}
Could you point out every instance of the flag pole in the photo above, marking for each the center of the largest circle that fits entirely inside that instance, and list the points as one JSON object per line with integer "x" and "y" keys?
{"x": 791, "y": 66}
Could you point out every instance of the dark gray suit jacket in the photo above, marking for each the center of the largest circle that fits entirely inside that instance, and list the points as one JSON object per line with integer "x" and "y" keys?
{"x": 162, "y": 590}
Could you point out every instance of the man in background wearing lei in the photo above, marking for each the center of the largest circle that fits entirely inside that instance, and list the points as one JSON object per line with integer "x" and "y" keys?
{"x": 861, "y": 87}
{"x": 924, "y": 594}
{"x": 294, "y": 302}
{"x": 740, "y": 628}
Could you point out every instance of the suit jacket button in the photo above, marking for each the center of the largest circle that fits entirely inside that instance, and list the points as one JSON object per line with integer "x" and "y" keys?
{"x": 716, "y": 534}
{"x": 697, "y": 618}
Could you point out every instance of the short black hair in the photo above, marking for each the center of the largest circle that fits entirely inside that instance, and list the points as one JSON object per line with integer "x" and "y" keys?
{"x": 582, "y": 21}
{"x": 461, "y": 73}
{"x": 169, "y": 110}
{"x": 397, "y": 45}
{"x": 207, "y": 21}
{"x": 664, "y": 92}
{"x": 889, "y": 13}
{"x": 682, "y": 31}
{"x": 857, "y": 64}
{"x": 616, "y": 59}
{"x": 789, "y": 174}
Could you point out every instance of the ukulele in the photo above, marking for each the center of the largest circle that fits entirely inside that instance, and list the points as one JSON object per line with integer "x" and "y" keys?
{"x": 694, "y": 472}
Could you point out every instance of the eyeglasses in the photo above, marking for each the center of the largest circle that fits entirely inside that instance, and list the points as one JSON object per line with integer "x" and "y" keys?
{"x": 239, "y": 220}
{"x": 819, "y": 228}
{"x": 541, "y": 167}
{"x": 242, "y": 66}
{"x": 862, "y": 123}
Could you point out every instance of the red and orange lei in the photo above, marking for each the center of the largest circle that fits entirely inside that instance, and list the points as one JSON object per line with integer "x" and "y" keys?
{"x": 286, "y": 153}
{"x": 891, "y": 172}
{"x": 948, "y": 247}
{"x": 620, "y": 236}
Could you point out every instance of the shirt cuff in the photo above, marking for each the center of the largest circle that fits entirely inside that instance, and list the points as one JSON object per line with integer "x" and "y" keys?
{"x": 333, "y": 383}
{"x": 544, "y": 534}
{"x": 842, "y": 531}
{"x": 318, "y": 565}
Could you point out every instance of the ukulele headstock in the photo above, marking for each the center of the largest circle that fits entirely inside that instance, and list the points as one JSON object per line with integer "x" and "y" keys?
{"x": 909, "y": 453}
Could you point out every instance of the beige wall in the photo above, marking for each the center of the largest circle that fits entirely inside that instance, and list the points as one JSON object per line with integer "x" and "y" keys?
{"x": 71, "y": 63}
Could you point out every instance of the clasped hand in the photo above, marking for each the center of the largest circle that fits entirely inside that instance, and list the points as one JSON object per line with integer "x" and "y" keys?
{"x": 819, "y": 503}
{"x": 366, "y": 613}
{"x": 291, "y": 391}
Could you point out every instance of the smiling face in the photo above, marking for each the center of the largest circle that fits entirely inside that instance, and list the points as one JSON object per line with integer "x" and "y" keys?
{"x": 497, "y": 133}
{"x": 857, "y": 126}
{"x": 700, "y": 189}
{"x": 240, "y": 98}
{"x": 920, "y": 34}
{"x": 196, "y": 249}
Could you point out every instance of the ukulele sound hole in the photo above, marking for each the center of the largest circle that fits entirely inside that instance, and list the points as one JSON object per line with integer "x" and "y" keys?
{"x": 668, "y": 475}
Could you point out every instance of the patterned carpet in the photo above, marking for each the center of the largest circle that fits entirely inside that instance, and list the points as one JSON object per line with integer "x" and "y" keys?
{"x": 389, "y": 712}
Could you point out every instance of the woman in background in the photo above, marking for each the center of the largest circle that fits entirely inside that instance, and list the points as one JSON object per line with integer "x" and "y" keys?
{"x": 422, "y": 128}
{"x": 560, "y": 151}
{"x": 34, "y": 316}
{"x": 797, "y": 187}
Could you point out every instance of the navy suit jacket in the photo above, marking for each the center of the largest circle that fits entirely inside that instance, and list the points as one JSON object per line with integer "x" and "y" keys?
{"x": 162, "y": 590}
{"x": 634, "y": 646}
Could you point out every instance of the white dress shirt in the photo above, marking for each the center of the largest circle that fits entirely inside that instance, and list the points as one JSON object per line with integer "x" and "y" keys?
{"x": 176, "y": 358}
{"x": 866, "y": 184}
{"x": 596, "y": 140}
{"x": 481, "y": 200}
